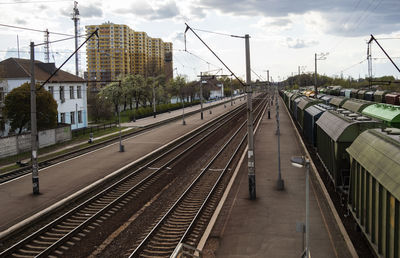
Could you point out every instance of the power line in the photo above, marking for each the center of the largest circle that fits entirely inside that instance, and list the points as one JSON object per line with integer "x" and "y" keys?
{"x": 358, "y": 63}
{"x": 219, "y": 33}
{"x": 35, "y": 30}
{"x": 36, "y": 2}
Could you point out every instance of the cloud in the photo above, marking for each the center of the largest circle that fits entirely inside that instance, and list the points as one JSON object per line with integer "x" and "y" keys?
{"x": 91, "y": 10}
{"x": 344, "y": 17}
{"x": 300, "y": 43}
{"x": 87, "y": 11}
{"x": 159, "y": 11}
{"x": 20, "y": 21}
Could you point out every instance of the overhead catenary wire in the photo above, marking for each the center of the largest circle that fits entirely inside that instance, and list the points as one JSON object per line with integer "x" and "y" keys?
{"x": 35, "y": 2}
{"x": 237, "y": 78}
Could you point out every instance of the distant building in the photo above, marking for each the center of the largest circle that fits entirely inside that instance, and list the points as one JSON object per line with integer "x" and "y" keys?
{"x": 68, "y": 90}
{"x": 121, "y": 50}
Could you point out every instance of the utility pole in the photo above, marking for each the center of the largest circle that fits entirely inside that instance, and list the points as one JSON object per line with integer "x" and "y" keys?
{"x": 154, "y": 98}
{"x": 321, "y": 56}
{"x": 46, "y": 46}
{"x": 315, "y": 77}
{"x": 250, "y": 136}
{"x": 34, "y": 135}
{"x": 201, "y": 95}
{"x": 75, "y": 18}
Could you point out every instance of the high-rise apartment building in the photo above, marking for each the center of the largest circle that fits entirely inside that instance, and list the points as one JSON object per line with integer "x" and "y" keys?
{"x": 121, "y": 50}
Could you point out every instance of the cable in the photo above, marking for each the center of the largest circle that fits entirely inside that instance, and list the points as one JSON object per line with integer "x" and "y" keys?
{"x": 352, "y": 66}
{"x": 219, "y": 33}
{"x": 36, "y": 2}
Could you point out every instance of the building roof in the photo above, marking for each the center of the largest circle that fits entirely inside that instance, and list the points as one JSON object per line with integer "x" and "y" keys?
{"x": 20, "y": 68}
{"x": 379, "y": 153}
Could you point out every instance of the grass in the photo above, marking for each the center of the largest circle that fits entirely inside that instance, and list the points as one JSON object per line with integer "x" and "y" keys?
{"x": 9, "y": 162}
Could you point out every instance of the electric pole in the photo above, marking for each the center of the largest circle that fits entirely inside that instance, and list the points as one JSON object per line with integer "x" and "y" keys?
{"x": 75, "y": 18}
{"x": 315, "y": 77}
{"x": 46, "y": 46}
{"x": 250, "y": 136}
{"x": 34, "y": 135}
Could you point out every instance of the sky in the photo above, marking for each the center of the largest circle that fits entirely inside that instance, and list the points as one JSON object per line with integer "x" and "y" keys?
{"x": 284, "y": 34}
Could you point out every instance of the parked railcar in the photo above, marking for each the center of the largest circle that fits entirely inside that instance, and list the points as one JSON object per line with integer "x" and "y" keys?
{"x": 311, "y": 115}
{"x": 295, "y": 106}
{"x": 336, "y": 132}
{"x": 347, "y": 93}
{"x": 374, "y": 194}
{"x": 393, "y": 98}
{"x": 338, "y": 101}
{"x": 326, "y": 99}
{"x": 379, "y": 96}
{"x": 353, "y": 93}
{"x": 303, "y": 104}
{"x": 361, "y": 94}
{"x": 291, "y": 104}
{"x": 369, "y": 95}
{"x": 356, "y": 105}
{"x": 388, "y": 114}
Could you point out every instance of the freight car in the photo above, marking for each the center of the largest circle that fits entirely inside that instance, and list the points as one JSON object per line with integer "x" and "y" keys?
{"x": 388, "y": 114}
{"x": 302, "y": 105}
{"x": 393, "y": 98}
{"x": 338, "y": 101}
{"x": 311, "y": 115}
{"x": 379, "y": 96}
{"x": 374, "y": 194}
{"x": 356, "y": 105}
{"x": 336, "y": 132}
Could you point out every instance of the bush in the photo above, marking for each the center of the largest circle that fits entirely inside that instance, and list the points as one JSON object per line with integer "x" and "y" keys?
{"x": 148, "y": 111}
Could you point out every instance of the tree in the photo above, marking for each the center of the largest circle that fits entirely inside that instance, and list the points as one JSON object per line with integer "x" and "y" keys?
{"x": 17, "y": 108}
{"x": 176, "y": 87}
{"x": 113, "y": 93}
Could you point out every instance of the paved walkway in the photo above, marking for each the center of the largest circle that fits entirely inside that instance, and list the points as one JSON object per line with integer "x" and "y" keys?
{"x": 266, "y": 227}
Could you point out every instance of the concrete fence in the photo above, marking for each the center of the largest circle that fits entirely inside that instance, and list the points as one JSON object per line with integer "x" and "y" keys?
{"x": 16, "y": 144}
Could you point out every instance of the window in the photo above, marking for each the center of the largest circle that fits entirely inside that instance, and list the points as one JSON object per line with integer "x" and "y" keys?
{"x": 72, "y": 115}
{"x": 79, "y": 117}
{"x": 62, "y": 97}
{"x": 71, "y": 92}
{"x": 79, "y": 92}
{"x": 51, "y": 90}
{"x": 62, "y": 115}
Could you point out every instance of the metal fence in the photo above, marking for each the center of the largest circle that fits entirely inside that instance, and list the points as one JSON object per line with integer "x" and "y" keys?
{"x": 92, "y": 129}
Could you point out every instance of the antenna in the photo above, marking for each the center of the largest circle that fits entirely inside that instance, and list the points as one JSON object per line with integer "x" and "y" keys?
{"x": 75, "y": 18}
{"x": 46, "y": 46}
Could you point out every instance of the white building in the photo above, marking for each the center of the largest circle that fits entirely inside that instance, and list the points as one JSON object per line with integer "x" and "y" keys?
{"x": 69, "y": 91}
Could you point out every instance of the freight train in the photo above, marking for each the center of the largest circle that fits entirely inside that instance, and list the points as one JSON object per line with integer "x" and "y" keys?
{"x": 358, "y": 143}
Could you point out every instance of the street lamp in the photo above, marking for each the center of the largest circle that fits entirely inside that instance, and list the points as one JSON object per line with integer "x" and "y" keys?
{"x": 301, "y": 161}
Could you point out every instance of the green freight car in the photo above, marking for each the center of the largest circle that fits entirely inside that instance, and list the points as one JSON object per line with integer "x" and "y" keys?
{"x": 374, "y": 194}
{"x": 335, "y": 133}
{"x": 356, "y": 105}
{"x": 388, "y": 114}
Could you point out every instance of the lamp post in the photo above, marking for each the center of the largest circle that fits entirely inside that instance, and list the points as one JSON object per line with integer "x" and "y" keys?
{"x": 301, "y": 161}
{"x": 121, "y": 147}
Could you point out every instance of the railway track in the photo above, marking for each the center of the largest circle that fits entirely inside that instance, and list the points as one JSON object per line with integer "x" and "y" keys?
{"x": 63, "y": 233}
{"x": 187, "y": 219}
{"x": 16, "y": 173}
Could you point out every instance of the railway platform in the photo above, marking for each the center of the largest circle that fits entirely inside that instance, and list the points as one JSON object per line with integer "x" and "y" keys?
{"x": 62, "y": 182}
{"x": 266, "y": 227}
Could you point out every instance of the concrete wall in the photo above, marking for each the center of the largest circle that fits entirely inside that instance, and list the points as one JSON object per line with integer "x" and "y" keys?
{"x": 13, "y": 145}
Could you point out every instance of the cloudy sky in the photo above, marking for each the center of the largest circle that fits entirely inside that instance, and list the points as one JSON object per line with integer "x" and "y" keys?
{"x": 285, "y": 34}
